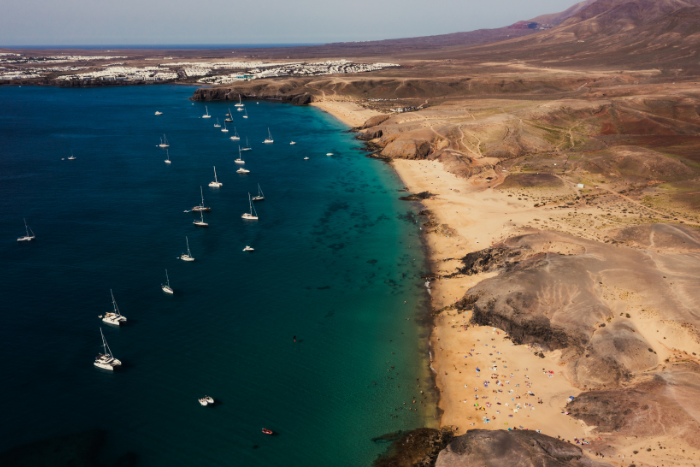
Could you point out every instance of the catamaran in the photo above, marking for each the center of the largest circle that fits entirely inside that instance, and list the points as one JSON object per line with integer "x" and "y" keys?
{"x": 27, "y": 238}
{"x": 261, "y": 195}
{"x": 167, "y": 155}
{"x": 247, "y": 146}
{"x": 250, "y": 215}
{"x": 206, "y": 115}
{"x": 166, "y": 287}
{"x": 216, "y": 183}
{"x": 115, "y": 318}
{"x": 188, "y": 256}
{"x": 235, "y": 136}
{"x": 164, "y": 142}
{"x": 240, "y": 103}
{"x": 201, "y": 207}
{"x": 229, "y": 116}
{"x": 239, "y": 160}
{"x": 217, "y": 124}
{"x": 224, "y": 129}
{"x": 106, "y": 360}
{"x": 200, "y": 222}
{"x": 246, "y": 113}
{"x": 269, "y": 139}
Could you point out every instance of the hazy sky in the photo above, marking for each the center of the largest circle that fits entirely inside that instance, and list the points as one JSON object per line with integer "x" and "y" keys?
{"x": 114, "y": 22}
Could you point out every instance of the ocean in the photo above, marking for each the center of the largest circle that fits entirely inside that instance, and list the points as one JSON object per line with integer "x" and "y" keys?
{"x": 337, "y": 263}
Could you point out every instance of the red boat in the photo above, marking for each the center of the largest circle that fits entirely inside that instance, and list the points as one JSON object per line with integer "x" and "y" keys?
{"x": 267, "y": 432}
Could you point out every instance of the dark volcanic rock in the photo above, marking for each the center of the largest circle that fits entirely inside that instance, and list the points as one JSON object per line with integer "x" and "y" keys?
{"x": 418, "y": 448}
{"x": 500, "y": 448}
{"x": 231, "y": 94}
{"x": 417, "y": 197}
{"x": 370, "y": 134}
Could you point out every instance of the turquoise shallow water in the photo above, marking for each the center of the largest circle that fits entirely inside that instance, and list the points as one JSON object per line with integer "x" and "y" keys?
{"x": 332, "y": 266}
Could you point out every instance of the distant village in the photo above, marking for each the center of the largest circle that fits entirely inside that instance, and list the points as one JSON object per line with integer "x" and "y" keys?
{"x": 14, "y": 67}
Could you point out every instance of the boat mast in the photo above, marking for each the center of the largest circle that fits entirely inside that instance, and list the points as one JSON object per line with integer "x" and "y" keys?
{"x": 215, "y": 179}
{"x": 114, "y": 302}
{"x": 167, "y": 279}
{"x": 188, "y": 246}
{"x": 27, "y": 228}
{"x": 201, "y": 193}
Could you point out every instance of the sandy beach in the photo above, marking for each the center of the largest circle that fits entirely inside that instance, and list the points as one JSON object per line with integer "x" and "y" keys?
{"x": 486, "y": 381}
{"x": 347, "y": 112}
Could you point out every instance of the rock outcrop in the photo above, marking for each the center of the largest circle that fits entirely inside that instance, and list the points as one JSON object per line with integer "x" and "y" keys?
{"x": 500, "y": 448}
{"x": 231, "y": 94}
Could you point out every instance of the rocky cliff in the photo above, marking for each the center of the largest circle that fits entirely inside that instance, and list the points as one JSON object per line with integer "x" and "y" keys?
{"x": 260, "y": 93}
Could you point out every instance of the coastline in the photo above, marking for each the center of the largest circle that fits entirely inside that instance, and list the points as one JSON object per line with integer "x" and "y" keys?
{"x": 472, "y": 216}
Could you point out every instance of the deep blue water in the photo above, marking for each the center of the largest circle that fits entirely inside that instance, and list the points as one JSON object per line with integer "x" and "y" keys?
{"x": 332, "y": 265}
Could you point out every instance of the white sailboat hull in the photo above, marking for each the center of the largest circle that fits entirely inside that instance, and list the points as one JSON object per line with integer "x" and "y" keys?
{"x": 159, "y": 113}
{"x": 247, "y": 248}
{"x": 235, "y": 138}
{"x": 167, "y": 289}
{"x": 216, "y": 184}
{"x": 116, "y": 320}
{"x": 200, "y": 209}
{"x": 258, "y": 198}
{"x": 242, "y": 171}
{"x": 269, "y": 141}
{"x": 249, "y": 217}
{"x": 168, "y": 162}
{"x": 163, "y": 145}
{"x": 239, "y": 161}
{"x": 25, "y": 239}
{"x": 186, "y": 258}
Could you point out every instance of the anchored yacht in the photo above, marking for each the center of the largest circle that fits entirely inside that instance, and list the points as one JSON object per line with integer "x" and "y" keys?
{"x": 269, "y": 139}
{"x": 201, "y": 207}
{"x": 252, "y": 215}
{"x": 206, "y": 114}
{"x": 188, "y": 256}
{"x": 166, "y": 287}
{"x": 114, "y": 318}
{"x": 261, "y": 195}
{"x": 229, "y": 116}
{"x": 106, "y": 360}
{"x": 224, "y": 129}
{"x": 217, "y": 124}
{"x": 27, "y": 237}
{"x": 239, "y": 160}
{"x": 167, "y": 157}
{"x": 247, "y": 146}
{"x": 248, "y": 248}
{"x": 235, "y": 136}
{"x": 240, "y": 103}
{"x": 216, "y": 183}
{"x": 164, "y": 142}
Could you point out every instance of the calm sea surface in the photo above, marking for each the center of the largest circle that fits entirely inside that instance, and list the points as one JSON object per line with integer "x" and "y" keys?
{"x": 332, "y": 266}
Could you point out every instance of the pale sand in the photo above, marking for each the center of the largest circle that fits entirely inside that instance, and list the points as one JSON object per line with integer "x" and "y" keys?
{"x": 479, "y": 217}
{"x": 347, "y": 112}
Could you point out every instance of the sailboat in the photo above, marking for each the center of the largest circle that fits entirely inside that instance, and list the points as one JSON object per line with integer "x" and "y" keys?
{"x": 250, "y": 215}
{"x": 246, "y": 113}
{"x": 269, "y": 139}
{"x": 240, "y": 103}
{"x": 166, "y": 287}
{"x": 72, "y": 157}
{"x": 115, "y": 318}
{"x": 261, "y": 195}
{"x": 229, "y": 116}
{"x": 188, "y": 256}
{"x": 239, "y": 160}
{"x": 235, "y": 136}
{"x": 201, "y": 207}
{"x": 224, "y": 129}
{"x": 167, "y": 161}
{"x": 206, "y": 115}
{"x": 216, "y": 183}
{"x": 26, "y": 238}
{"x": 200, "y": 222}
{"x": 247, "y": 146}
{"x": 217, "y": 124}
{"x": 164, "y": 142}
{"x": 106, "y": 360}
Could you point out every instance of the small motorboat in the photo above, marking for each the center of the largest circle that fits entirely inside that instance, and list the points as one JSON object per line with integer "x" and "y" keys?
{"x": 329, "y": 154}
{"x": 209, "y": 399}
{"x": 159, "y": 113}
{"x": 306, "y": 158}
{"x": 203, "y": 402}
{"x": 248, "y": 248}
{"x": 292, "y": 143}
{"x": 242, "y": 171}
{"x": 267, "y": 432}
